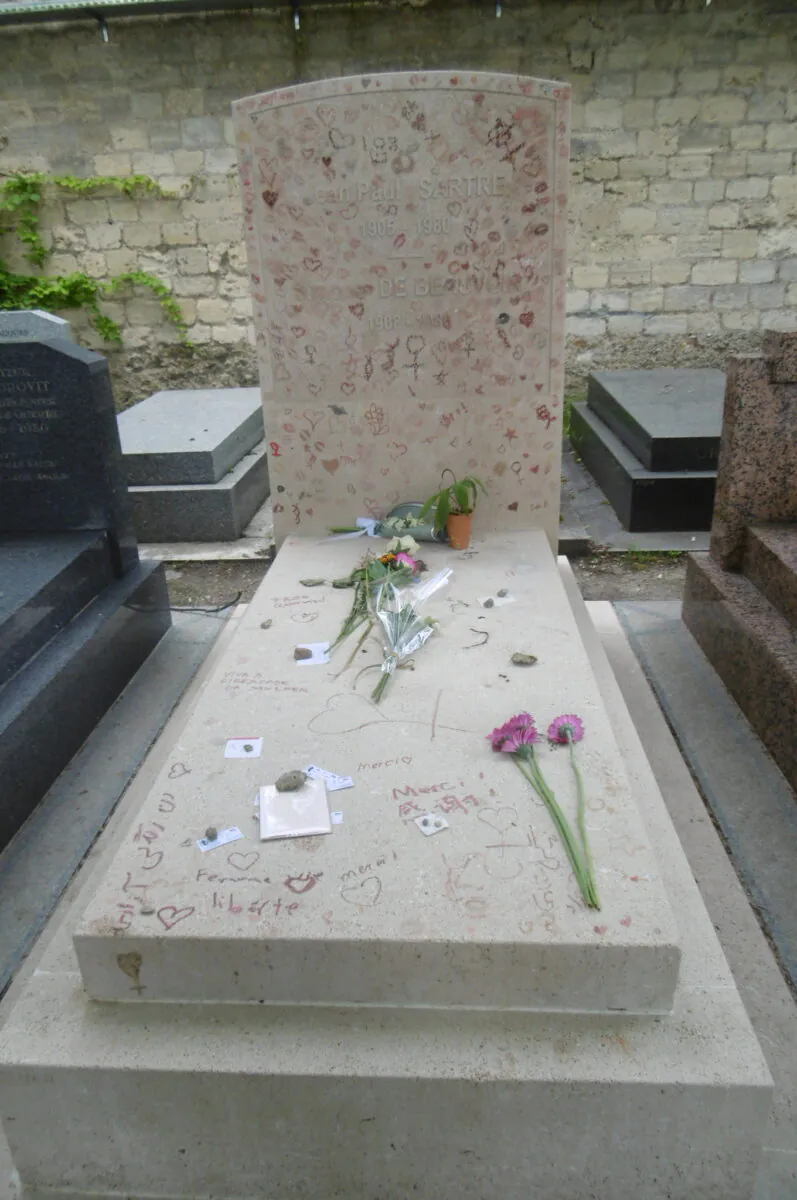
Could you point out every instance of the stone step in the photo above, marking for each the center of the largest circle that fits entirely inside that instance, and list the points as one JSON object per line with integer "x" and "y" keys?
{"x": 645, "y": 501}
{"x": 45, "y": 581}
{"x": 195, "y": 435}
{"x": 753, "y": 649}
{"x": 203, "y": 512}
{"x": 56, "y": 699}
{"x": 246, "y": 1101}
{"x": 770, "y": 562}
{"x": 670, "y": 419}
{"x": 485, "y": 914}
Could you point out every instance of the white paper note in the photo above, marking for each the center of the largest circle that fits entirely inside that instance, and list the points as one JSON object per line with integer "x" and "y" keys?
{"x": 497, "y": 601}
{"x": 431, "y": 823}
{"x": 243, "y": 748}
{"x": 335, "y": 783}
{"x": 224, "y": 836}
{"x": 320, "y": 654}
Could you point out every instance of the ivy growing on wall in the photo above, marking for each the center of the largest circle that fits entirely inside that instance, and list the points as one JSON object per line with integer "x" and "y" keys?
{"x": 21, "y": 196}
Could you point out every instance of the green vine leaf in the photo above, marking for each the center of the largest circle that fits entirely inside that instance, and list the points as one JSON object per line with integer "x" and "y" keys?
{"x": 21, "y": 196}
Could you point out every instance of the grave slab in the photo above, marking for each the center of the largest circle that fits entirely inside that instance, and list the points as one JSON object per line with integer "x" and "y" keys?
{"x": 689, "y": 1093}
{"x": 645, "y": 501}
{"x": 485, "y": 914}
{"x": 770, "y": 562}
{"x": 53, "y": 702}
{"x": 34, "y": 324}
{"x": 195, "y": 435}
{"x": 406, "y": 238}
{"x": 203, "y": 512}
{"x": 44, "y": 582}
{"x": 670, "y": 419}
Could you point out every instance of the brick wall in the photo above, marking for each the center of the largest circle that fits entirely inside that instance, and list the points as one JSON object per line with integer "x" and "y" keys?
{"x": 684, "y": 136}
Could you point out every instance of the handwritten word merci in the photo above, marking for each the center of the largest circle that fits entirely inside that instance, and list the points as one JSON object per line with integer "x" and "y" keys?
{"x": 388, "y": 762}
{"x": 407, "y": 790}
{"x": 449, "y": 802}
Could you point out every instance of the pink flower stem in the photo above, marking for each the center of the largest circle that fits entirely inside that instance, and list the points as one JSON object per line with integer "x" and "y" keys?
{"x": 529, "y": 767}
{"x": 581, "y": 819}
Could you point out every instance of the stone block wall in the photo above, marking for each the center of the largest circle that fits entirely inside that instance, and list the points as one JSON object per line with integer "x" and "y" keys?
{"x": 683, "y": 234}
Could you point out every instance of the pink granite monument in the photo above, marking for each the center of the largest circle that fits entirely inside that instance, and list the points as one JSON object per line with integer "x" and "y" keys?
{"x": 406, "y": 240}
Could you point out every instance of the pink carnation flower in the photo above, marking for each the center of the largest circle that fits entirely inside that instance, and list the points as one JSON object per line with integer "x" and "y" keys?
{"x": 565, "y": 729}
{"x": 406, "y": 560}
{"x": 520, "y": 730}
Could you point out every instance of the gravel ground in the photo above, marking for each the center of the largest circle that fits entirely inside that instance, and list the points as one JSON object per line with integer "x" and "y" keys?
{"x": 208, "y": 584}
{"x": 633, "y": 575}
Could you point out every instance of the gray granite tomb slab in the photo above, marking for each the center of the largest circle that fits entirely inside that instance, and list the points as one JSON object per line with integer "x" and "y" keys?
{"x": 203, "y": 512}
{"x": 190, "y": 436}
{"x": 670, "y": 419}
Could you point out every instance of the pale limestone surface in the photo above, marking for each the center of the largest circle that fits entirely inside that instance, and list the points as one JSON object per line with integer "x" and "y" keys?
{"x": 406, "y": 241}
{"x": 230, "y": 1101}
{"x": 486, "y": 913}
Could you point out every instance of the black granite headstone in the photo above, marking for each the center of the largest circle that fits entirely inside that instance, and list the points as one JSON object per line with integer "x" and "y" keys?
{"x": 61, "y": 463}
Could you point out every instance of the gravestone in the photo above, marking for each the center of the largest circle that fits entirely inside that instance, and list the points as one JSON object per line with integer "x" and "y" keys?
{"x": 670, "y": 418}
{"x": 78, "y": 611}
{"x": 406, "y": 242}
{"x": 19, "y": 325}
{"x": 195, "y": 435}
{"x": 740, "y": 599}
{"x": 197, "y": 464}
{"x": 60, "y": 458}
{"x": 650, "y": 439}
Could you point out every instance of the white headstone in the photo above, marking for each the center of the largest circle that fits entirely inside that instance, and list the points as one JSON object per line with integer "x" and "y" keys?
{"x": 406, "y": 236}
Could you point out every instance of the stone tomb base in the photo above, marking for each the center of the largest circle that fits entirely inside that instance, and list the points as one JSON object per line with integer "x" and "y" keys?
{"x": 651, "y": 440}
{"x": 196, "y": 462}
{"x": 293, "y": 1100}
{"x": 203, "y": 512}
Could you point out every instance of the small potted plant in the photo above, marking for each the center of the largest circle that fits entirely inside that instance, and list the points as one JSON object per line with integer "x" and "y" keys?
{"x": 453, "y": 508}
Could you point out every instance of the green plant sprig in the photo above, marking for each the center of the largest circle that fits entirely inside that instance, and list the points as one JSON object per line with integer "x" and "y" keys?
{"x": 21, "y": 196}
{"x": 458, "y": 497}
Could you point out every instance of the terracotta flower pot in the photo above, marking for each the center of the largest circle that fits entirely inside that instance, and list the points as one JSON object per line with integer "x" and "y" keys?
{"x": 458, "y": 527}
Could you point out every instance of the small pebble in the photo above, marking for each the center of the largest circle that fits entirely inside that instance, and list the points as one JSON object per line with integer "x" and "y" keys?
{"x": 489, "y": 602}
{"x": 302, "y": 652}
{"x": 266, "y": 624}
{"x": 211, "y": 833}
{"x": 502, "y": 592}
{"x": 311, "y": 582}
{"x": 523, "y": 660}
{"x": 291, "y": 781}
{"x": 148, "y": 911}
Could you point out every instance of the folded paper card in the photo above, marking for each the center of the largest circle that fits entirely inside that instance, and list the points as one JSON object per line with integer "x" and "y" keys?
{"x": 294, "y": 814}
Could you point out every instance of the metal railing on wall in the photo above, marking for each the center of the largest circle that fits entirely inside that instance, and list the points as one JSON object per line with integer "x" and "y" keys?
{"x": 22, "y": 12}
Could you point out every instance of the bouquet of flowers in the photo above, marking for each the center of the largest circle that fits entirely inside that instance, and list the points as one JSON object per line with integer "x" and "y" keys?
{"x": 397, "y": 564}
{"x": 404, "y": 630}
